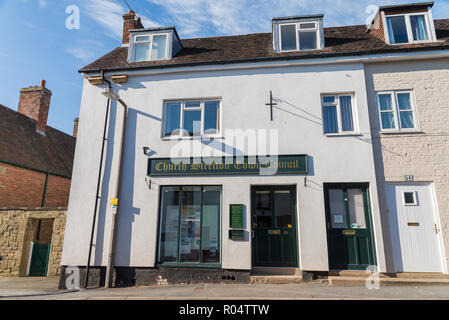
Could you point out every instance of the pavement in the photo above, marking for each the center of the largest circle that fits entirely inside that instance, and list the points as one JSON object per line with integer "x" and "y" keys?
{"x": 46, "y": 289}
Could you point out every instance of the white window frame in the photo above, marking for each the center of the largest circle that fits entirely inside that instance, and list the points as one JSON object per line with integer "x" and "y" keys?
{"x": 297, "y": 30}
{"x": 150, "y": 42}
{"x": 337, "y": 96}
{"x": 183, "y": 134}
{"x": 396, "y": 111}
{"x": 415, "y": 199}
{"x": 408, "y": 25}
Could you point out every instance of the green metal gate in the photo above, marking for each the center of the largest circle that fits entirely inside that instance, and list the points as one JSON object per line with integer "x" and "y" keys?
{"x": 39, "y": 260}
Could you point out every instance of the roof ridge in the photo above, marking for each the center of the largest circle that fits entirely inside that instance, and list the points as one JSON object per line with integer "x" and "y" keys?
{"x": 256, "y": 33}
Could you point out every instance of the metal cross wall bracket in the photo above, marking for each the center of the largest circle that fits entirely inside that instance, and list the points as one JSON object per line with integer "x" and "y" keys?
{"x": 271, "y": 104}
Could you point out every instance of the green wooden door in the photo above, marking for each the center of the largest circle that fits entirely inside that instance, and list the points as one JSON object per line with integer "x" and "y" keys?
{"x": 274, "y": 226}
{"x": 350, "y": 237}
{"x": 39, "y": 260}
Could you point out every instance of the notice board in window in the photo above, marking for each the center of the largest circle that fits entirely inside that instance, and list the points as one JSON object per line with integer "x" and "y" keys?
{"x": 236, "y": 216}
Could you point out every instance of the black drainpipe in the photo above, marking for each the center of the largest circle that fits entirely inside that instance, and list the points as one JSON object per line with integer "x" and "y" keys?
{"x": 86, "y": 278}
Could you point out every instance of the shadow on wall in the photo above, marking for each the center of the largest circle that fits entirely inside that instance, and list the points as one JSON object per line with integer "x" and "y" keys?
{"x": 126, "y": 216}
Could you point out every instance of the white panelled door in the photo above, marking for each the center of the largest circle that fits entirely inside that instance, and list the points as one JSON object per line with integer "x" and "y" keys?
{"x": 415, "y": 230}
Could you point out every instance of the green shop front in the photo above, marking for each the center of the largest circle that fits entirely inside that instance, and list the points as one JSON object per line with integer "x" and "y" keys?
{"x": 204, "y": 219}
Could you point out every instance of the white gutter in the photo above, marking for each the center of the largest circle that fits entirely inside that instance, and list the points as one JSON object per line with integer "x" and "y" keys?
{"x": 375, "y": 58}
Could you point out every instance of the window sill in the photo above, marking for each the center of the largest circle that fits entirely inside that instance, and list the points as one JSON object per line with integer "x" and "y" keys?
{"x": 394, "y": 132}
{"x": 352, "y": 134}
{"x": 189, "y": 265}
{"x": 217, "y": 137}
{"x": 415, "y": 42}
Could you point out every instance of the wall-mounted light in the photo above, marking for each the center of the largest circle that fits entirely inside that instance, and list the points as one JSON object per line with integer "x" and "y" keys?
{"x": 148, "y": 181}
{"x": 146, "y": 150}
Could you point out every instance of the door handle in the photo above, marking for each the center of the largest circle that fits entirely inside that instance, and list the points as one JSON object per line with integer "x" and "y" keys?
{"x": 252, "y": 234}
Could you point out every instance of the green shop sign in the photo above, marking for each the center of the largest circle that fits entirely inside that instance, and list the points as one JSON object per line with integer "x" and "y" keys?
{"x": 263, "y": 165}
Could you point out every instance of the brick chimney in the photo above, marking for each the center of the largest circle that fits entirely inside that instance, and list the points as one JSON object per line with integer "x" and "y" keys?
{"x": 75, "y": 127}
{"x": 34, "y": 102}
{"x": 130, "y": 21}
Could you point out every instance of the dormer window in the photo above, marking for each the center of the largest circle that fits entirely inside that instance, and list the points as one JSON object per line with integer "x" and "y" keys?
{"x": 153, "y": 44}
{"x": 298, "y": 33}
{"x": 150, "y": 47}
{"x": 404, "y": 23}
{"x": 408, "y": 28}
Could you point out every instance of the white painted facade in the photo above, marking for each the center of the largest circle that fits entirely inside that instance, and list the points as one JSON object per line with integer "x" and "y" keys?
{"x": 244, "y": 93}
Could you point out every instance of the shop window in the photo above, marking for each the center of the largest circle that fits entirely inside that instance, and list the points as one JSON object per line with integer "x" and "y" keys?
{"x": 189, "y": 225}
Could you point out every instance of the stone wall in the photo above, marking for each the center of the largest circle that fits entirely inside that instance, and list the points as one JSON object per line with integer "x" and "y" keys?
{"x": 424, "y": 153}
{"x": 17, "y": 230}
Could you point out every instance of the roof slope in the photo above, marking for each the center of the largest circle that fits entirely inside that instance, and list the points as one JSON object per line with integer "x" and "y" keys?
{"x": 339, "y": 41}
{"x": 21, "y": 144}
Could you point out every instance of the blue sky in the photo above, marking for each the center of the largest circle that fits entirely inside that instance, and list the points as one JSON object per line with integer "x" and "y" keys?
{"x": 37, "y": 45}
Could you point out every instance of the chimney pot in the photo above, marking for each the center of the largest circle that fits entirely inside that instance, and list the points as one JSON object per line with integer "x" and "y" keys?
{"x": 75, "y": 127}
{"x": 43, "y": 83}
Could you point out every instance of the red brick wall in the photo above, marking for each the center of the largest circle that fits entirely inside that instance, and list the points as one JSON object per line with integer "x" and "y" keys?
{"x": 46, "y": 230}
{"x": 58, "y": 190}
{"x": 23, "y": 188}
{"x": 377, "y": 30}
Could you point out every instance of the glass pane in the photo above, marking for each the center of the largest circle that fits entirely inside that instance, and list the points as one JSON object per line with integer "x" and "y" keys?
{"x": 283, "y": 209}
{"x": 172, "y": 118}
{"x": 385, "y": 102}
{"x": 142, "y": 52}
{"x": 407, "y": 120}
{"x": 419, "y": 28}
{"x": 330, "y": 120}
{"x": 211, "y": 111}
{"x": 192, "y": 122}
{"x": 211, "y": 215}
{"x": 397, "y": 29}
{"x": 263, "y": 209}
{"x": 189, "y": 248}
{"x": 409, "y": 198}
{"x": 159, "y": 46}
{"x": 387, "y": 120}
{"x": 142, "y": 38}
{"x": 329, "y": 99}
{"x": 347, "y": 123}
{"x": 310, "y": 25}
{"x": 307, "y": 40}
{"x": 337, "y": 209}
{"x": 404, "y": 101}
{"x": 288, "y": 37}
{"x": 168, "y": 237}
{"x": 193, "y": 104}
{"x": 356, "y": 209}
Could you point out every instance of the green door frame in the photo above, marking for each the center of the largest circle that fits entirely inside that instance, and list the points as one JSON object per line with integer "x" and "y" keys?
{"x": 272, "y": 189}
{"x": 368, "y": 219}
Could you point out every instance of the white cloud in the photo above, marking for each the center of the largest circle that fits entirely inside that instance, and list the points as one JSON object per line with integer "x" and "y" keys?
{"x": 81, "y": 53}
{"x": 42, "y": 4}
{"x": 109, "y": 15}
{"x": 206, "y": 17}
